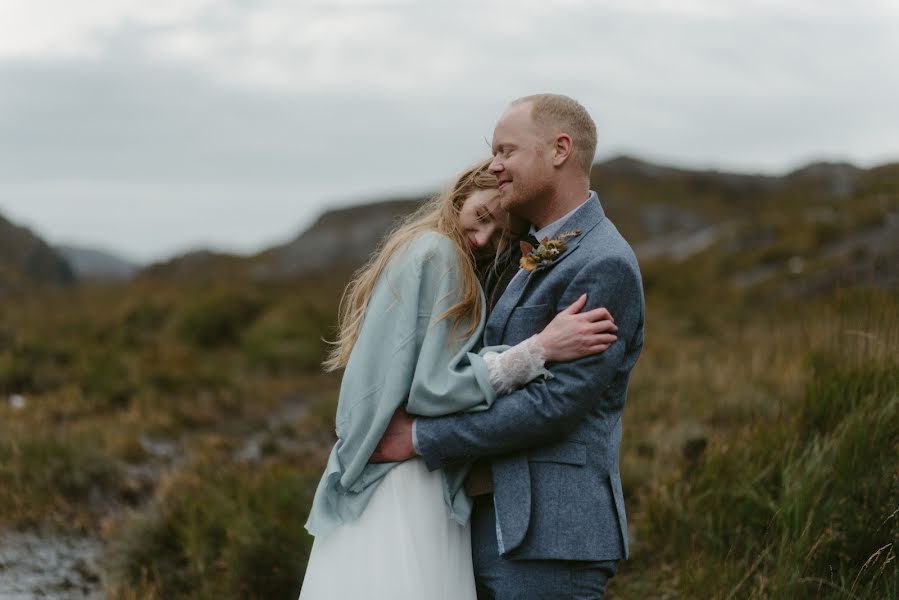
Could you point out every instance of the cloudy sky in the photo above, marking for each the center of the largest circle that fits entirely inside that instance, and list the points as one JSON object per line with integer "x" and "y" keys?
{"x": 150, "y": 128}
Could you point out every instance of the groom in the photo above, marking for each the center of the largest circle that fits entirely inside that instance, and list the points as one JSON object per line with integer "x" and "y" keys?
{"x": 548, "y": 518}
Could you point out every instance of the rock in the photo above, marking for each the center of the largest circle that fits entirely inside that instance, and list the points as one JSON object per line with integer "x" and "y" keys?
{"x": 88, "y": 570}
{"x": 17, "y": 402}
{"x": 162, "y": 449}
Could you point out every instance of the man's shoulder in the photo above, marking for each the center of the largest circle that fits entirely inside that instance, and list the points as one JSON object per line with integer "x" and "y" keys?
{"x": 605, "y": 243}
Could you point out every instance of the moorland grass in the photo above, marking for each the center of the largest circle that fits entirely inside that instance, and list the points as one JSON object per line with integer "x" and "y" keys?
{"x": 758, "y": 456}
{"x": 797, "y": 502}
{"x": 217, "y": 531}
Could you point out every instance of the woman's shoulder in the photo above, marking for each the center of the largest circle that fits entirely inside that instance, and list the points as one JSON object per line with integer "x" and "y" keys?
{"x": 424, "y": 253}
{"x": 424, "y": 260}
{"x": 432, "y": 242}
{"x": 428, "y": 247}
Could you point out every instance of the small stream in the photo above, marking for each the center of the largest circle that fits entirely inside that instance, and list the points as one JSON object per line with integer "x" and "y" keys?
{"x": 34, "y": 564}
{"x": 50, "y": 567}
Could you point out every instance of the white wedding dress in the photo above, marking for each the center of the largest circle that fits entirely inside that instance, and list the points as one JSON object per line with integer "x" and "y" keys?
{"x": 405, "y": 546}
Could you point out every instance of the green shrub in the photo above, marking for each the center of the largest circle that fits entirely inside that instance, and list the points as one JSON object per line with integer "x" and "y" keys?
{"x": 106, "y": 380}
{"x": 141, "y": 324}
{"x": 287, "y": 339}
{"x": 836, "y": 390}
{"x": 15, "y": 374}
{"x": 33, "y": 366}
{"x": 217, "y": 532}
{"x": 217, "y": 319}
{"x": 42, "y": 479}
{"x": 805, "y": 508}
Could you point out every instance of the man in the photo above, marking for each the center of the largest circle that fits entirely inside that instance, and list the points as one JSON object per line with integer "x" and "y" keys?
{"x": 549, "y": 516}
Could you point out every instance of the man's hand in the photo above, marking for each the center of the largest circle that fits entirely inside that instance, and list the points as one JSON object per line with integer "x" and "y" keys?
{"x": 396, "y": 443}
{"x": 573, "y": 334}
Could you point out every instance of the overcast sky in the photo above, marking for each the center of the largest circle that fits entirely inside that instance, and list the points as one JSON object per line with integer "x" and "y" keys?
{"x": 150, "y": 128}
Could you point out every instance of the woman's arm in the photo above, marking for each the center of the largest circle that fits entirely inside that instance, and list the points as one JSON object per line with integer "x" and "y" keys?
{"x": 570, "y": 335}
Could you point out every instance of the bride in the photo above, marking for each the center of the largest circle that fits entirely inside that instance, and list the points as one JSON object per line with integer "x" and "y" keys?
{"x": 410, "y": 330}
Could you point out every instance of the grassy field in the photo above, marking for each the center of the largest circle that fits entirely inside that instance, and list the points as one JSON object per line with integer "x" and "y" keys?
{"x": 762, "y": 457}
{"x": 186, "y": 425}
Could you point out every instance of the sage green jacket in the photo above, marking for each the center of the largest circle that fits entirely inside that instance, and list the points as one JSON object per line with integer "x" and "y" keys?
{"x": 403, "y": 354}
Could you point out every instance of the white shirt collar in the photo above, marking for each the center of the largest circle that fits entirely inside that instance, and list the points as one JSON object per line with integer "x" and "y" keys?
{"x": 553, "y": 228}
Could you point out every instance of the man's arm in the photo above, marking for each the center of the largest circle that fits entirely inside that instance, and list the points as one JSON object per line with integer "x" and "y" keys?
{"x": 547, "y": 410}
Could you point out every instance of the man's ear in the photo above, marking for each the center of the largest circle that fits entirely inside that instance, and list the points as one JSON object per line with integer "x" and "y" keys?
{"x": 562, "y": 148}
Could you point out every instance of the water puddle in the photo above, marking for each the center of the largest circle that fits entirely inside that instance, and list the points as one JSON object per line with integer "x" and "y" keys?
{"x": 49, "y": 567}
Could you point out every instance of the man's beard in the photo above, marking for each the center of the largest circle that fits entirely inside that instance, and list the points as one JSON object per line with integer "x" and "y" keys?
{"x": 526, "y": 195}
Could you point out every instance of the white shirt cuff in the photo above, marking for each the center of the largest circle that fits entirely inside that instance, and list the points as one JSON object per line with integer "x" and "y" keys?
{"x": 415, "y": 436}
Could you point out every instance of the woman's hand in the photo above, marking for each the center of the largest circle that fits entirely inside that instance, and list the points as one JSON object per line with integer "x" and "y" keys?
{"x": 573, "y": 334}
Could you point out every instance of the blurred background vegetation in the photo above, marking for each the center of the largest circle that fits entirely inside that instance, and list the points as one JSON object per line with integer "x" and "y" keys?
{"x": 177, "y": 414}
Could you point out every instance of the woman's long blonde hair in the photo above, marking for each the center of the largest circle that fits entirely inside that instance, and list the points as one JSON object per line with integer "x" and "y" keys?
{"x": 440, "y": 214}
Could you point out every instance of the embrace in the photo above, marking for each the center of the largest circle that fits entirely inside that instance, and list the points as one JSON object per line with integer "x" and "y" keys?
{"x": 487, "y": 349}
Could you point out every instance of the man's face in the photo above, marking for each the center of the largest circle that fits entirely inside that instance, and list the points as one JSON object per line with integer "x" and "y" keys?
{"x": 522, "y": 161}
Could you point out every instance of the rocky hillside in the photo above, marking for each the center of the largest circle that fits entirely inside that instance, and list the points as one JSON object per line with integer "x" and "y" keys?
{"x": 815, "y": 228}
{"x": 340, "y": 239}
{"x": 648, "y": 201}
{"x": 823, "y": 210}
{"x": 830, "y": 216}
{"x": 26, "y": 260}
{"x": 197, "y": 265}
{"x": 93, "y": 264}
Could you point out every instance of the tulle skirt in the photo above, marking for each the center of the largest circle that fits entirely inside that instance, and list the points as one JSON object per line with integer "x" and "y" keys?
{"x": 405, "y": 546}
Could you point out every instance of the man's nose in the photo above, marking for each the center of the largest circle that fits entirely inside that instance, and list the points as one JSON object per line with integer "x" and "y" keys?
{"x": 496, "y": 165}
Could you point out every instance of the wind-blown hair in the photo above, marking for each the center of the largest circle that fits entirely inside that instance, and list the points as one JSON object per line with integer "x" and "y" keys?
{"x": 440, "y": 214}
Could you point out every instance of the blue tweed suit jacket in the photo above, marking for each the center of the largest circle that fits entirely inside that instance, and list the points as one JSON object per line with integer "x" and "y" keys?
{"x": 553, "y": 445}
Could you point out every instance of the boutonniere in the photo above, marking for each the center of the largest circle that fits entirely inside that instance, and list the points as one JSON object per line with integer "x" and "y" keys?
{"x": 546, "y": 253}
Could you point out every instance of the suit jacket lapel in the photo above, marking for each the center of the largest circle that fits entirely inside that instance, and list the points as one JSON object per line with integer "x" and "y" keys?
{"x": 496, "y": 324}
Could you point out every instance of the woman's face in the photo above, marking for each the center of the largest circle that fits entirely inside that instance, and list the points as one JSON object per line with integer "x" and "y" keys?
{"x": 483, "y": 221}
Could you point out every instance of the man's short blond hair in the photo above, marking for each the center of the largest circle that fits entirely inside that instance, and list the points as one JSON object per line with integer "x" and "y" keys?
{"x": 560, "y": 114}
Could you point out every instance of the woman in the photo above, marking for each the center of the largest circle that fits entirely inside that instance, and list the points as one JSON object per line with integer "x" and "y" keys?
{"x": 410, "y": 321}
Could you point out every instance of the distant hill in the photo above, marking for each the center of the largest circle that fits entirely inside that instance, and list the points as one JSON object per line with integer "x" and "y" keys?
{"x": 342, "y": 238}
{"x": 27, "y": 260}
{"x": 647, "y": 200}
{"x": 93, "y": 264}
{"x": 758, "y": 227}
{"x": 834, "y": 180}
{"x": 197, "y": 265}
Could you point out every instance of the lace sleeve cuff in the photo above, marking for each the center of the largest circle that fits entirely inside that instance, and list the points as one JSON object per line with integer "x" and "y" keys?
{"x": 516, "y": 366}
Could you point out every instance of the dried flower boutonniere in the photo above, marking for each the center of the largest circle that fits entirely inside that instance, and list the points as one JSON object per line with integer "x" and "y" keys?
{"x": 547, "y": 252}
